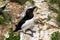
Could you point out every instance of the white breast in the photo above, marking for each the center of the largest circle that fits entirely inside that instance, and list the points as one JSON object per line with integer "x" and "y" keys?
{"x": 28, "y": 24}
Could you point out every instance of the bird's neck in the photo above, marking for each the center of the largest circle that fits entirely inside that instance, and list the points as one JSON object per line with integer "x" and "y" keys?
{"x": 27, "y": 18}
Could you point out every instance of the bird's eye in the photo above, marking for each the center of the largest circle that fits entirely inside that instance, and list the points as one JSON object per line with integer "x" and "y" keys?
{"x": 28, "y": 10}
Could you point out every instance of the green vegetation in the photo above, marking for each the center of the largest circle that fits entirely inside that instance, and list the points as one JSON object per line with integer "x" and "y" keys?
{"x": 31, "y": 1}
{"x": 55, "y": 36}
{"x": 12, "y": 35}
{"x": 24, "y": 1}
{"x": 56, "y": 2}
{"x": 4, "y": 18}
{"x": 49, "y": 17}
{"x": 21, "y": 1}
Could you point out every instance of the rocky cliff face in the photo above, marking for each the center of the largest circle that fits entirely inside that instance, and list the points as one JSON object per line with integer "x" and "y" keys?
{"x": 45, "y": 20}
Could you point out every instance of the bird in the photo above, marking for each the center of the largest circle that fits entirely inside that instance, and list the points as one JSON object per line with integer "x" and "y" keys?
{"x": 2, "y": 8}
{"x": 27, "y": 20}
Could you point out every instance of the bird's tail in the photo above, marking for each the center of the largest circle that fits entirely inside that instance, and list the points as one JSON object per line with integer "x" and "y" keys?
{"x": 17, "y": 28}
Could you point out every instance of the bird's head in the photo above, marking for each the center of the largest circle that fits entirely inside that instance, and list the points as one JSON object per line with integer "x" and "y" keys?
{"x": 31, "y": 9}
{"x": 29, "y": 12}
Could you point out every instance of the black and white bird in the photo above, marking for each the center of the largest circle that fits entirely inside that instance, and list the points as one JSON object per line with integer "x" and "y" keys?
{"x": 27, "y": 22}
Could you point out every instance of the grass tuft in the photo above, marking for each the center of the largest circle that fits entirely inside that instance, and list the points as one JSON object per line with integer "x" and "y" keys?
{"x": 55, "y": 36}
{"x": 12, "y": 35}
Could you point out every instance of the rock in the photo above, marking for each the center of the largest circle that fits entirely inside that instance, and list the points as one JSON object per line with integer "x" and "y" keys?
{"x": 2, "y": 3}
{"x": 43, "y": 27}
{"x": 14, "y": 9}
{"x": 43, "y": 32}
{"x": 52, "y": 22}
{"x": 6, "y": 35}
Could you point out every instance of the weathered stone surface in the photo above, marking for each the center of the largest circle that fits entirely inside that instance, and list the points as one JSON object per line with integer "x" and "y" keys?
{"x": 43, "y": 27}
{"x": 13, "y": 9}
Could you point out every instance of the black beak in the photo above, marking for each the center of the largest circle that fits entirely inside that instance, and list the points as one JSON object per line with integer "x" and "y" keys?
{"x": 34, "y": 7}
